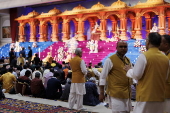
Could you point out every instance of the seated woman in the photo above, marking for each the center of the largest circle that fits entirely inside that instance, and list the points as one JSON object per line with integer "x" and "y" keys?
{"x": 91, "y": 97}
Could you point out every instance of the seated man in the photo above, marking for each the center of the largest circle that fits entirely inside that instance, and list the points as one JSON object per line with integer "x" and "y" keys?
{"x": 8, "y": 80}
{"x": 37, "y": 88}
{"x": 91, "y": 97}
{"x": 35, "y": 71}
{"x": 24, "y": 80}
{"x": 66, "y": 91}
{"x": 2, "y": 96}
{"x": 48, "y": 76}
{"x": 54, "y": 89}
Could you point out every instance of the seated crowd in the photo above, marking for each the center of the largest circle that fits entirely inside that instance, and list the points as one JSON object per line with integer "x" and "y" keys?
{"x": 46, "y": 80}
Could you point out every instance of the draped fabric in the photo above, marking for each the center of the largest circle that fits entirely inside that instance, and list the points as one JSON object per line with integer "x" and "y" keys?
{"x": 13, "y": 24}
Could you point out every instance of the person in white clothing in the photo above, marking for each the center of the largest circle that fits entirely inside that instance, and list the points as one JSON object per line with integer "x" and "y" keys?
{"x": 77, "y": 89}
{"x": 165, "y": 47}
{"x": 151, "y": 70}
{"x": 118, "y": 85}
{"x": 37, "y": 70}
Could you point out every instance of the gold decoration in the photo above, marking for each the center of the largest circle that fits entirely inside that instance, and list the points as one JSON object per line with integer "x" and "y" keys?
{"x": 97, "y": 6}
{"x": 54, "y": 11}
{"x": 32, "y": 14}
{"x": 150, "y": 3}
{"x": 119, "y": 5}
{"x": 78, "y": 8}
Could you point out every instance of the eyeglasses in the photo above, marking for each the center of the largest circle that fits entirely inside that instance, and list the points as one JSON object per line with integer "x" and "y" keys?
{"x": 123, "y": 46}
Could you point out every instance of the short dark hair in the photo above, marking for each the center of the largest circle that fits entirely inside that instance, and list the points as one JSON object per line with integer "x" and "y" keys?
{"x": 37, "y": 74}
{"x": 52, "y": 70}
{"x": 167, "y": 38}
{"x": 155, "y": 39}
{"x": 56, "y": 74}
{"x": 37, "y": 67}
{"x": 25, "y": 66}
{"x": 36, "y": 55}
{"x": 10, "y": 69}
{"x": 27, "y": 73}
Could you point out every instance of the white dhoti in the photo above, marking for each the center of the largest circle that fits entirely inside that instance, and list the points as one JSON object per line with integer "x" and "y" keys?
{"x": 149, "y": 107}
{"x": 167, "y": 106}
{"x": 77, "y": 90}
{"x": 120, "y": 105}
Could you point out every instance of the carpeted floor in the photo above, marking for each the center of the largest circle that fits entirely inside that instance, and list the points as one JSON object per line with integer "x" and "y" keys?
{"x": 19, "y": 106}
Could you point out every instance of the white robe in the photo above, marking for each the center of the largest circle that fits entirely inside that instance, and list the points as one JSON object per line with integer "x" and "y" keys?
{"x": 137, "y": 73}
{"x": 116, "y": 104}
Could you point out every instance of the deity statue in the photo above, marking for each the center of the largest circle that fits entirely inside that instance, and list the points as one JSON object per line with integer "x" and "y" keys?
{"x": 48, "y": 58}
{"x": 154, "y": 28}
{"x": 17, "y": 47}
{"x": 60, "y": 54}
{"x": 95, "y": 34}
{"x": 71, "y": 45}
{"x": 34, "y": 45}
{"x": 96, "y": 46}
{"x": 12, "y": 45}
{"x": 91, "y": 46}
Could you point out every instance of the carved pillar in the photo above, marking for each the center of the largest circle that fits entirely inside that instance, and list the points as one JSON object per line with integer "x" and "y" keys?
{"x": 76, "y": 27}
{"x": 41, "y": 32}
{"x": 54, "y": 35}
{"x": 103, "y": 25}
{"x": 133, "y": 28}
{"x": 138, "y": 25}
{"x": 65, "y": 29}
{"x": 123, "y": 26}
{"x": 45, "y": 31}
{"x": 32, "y": 31}
{"x": 81, "y": 30}
{"x": 114, "y": 26}
{"x": 21, "y": 32}
{"x": 161, "y": 21}
{"x": 148, "y": 25}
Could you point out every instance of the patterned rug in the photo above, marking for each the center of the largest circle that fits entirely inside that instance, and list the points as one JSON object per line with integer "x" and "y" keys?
{"x": 19, "y": 106}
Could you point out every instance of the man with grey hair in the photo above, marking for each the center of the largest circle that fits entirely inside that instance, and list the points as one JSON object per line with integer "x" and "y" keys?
{"x": 77, "y": 89}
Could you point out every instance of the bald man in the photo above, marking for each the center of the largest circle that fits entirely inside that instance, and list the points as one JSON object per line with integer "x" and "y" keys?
{"x": 118, "y": 84}
{"x": 77, "y": 89}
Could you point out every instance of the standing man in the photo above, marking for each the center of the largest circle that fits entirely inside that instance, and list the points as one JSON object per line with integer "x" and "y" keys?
{"x": 36, "y": 59}
{"x": 165, "y": 47}
{"x": 29, "y": 54}
{"x": 22, "y": 52}
{"x": 11, "y": 55}
{"x": 77, "y": 89}
{"x": 118, "y": 84}
{"x": 151, "y": 71}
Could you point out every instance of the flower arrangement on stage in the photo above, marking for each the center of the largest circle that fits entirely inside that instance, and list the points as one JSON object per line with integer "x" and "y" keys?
{"x": 34, "y": 45}
{"x": 137, "y": 43}
{"x": 142, "y": 48}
